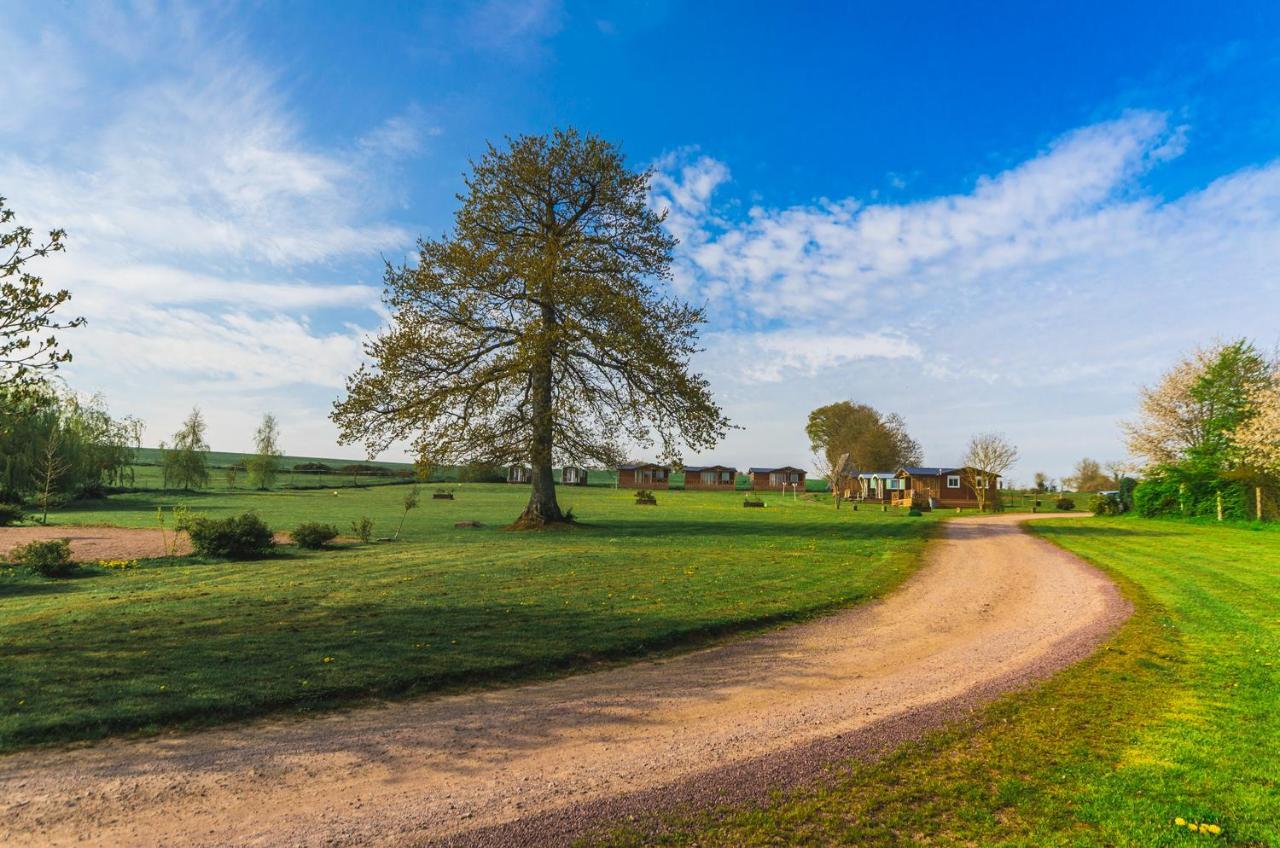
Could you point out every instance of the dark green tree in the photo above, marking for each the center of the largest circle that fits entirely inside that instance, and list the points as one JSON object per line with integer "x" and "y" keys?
{"x": 536, "y": 333}
{"x": 27, "y": 308}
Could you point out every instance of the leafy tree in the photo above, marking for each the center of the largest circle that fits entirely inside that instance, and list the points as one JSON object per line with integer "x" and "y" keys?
{"x": 1257, "y": 440}
{"x": 1088, "y": 477}
{"x": 1192, "y": 412}
{"x": 186, "y": 459}
{"x": 27, "y": 308}
{"x": 1041, "y": 482}
{"x": 535, "y": 333}
{"x": 874, "y": 442}
{"x": 90, "y": 448}
{"x": 264, "y": 466}
{"x": 989, "y": 454}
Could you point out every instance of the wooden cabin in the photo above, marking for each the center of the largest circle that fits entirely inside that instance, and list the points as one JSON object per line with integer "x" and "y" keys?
{"x": 948, "y": 488}
{"x": 572, "y": 476}
{"x": 872, "y": 486}
{"x": 643, "y": 475}
{"x": 714, "y": 477}
{"x": 519, "y": 474}
{"x": 782, "y": 478}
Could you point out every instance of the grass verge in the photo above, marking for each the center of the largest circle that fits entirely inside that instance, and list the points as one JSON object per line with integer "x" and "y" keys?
{"x": 1174, "y": 719}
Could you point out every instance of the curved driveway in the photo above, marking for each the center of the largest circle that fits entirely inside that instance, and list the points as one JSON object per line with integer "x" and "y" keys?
{"x": 992, "y": 608}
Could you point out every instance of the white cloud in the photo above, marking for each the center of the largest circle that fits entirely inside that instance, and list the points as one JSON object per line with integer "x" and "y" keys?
{"x": 770, "y": 357}
{"x": 1047, "y": 292}
{"x": 209, "y": 242}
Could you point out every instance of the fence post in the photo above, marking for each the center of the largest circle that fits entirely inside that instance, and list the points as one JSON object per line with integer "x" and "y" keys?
{"x": 1219, "y": 506}
{"x": 1257, "y": 502}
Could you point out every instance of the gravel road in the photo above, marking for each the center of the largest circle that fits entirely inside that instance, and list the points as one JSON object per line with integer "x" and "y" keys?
{"x": 992, "y": 609}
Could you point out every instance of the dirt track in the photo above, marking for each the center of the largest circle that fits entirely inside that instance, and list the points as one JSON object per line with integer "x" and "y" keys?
{"x": 992, "y": 609}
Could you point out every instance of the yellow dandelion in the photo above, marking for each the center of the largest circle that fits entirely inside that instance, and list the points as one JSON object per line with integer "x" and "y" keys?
{"x": 328, "y": 659}
{"x": 1193, "y": 827}
{"x": 1213, "y": 828}
{"x": 1180, "y": 821}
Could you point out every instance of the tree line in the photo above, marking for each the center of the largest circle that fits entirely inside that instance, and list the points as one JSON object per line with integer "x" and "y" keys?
{"x": 1208, "y": 435}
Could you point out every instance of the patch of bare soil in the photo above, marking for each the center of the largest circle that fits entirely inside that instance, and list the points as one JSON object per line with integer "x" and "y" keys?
{"x": 992, "y": 609}
{"x": 90, "y": 544}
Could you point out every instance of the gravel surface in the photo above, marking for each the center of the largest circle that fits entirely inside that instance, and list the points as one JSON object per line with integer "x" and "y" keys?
{"x": 992, "y": 609}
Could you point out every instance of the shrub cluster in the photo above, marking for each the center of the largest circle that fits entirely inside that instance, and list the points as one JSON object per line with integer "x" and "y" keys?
{"x": 644, "y": 496}
{"x": 914, "y": 512}
{"x": 314, "y": 535}
{"x": 10, "y": 514}
{"x": 1065, "y": 504}
{"x": 363, "y": 529}
{"x": 51, "y": 558}
{"x": 238, "y": 537}
{"x": 1106, "y": 505}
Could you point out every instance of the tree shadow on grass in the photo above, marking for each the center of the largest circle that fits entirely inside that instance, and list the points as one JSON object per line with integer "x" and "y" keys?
{"x": 247, "y": 658}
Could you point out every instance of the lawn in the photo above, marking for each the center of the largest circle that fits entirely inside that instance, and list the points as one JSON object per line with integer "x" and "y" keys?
{"x": 1177, "y": 718}
{"x": 183, "y": 643}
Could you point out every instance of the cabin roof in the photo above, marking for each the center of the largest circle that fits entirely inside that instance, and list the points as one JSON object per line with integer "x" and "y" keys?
{"x": 696, "y": 468}
{"x": 634, "y": 466}
{"x": 938, "y": 471}
{"x": 879, "y": 475}
{"x": 779, "y": 468}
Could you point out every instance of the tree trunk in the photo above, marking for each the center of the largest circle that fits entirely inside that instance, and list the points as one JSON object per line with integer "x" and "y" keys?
{"x": 542, "y": 508}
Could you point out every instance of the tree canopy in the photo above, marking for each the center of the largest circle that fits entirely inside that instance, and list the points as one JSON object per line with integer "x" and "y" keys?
{"x": 537, "y": 332}
{"x": 873, "y": 442}
{"x": 27, "y": 308}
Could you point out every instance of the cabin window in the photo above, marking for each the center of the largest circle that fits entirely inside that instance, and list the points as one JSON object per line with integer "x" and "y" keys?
{"x": 724, "y": 476}
{"x": 708, "y": 478}
{"x": 980, "y": 482}
{"x": 953, "y": 481}
{"x": 794, "y": 477}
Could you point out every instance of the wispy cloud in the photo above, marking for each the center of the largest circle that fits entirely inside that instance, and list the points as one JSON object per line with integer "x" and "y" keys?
{"x": 1052, "y": 287}
{"x": 211, "y": 244}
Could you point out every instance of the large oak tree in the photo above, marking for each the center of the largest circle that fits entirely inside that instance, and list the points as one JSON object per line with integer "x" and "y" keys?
{"x": 537, "y": 332}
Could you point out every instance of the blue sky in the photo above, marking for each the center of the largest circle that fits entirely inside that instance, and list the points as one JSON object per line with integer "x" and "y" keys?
{"x": 998, "y": 216}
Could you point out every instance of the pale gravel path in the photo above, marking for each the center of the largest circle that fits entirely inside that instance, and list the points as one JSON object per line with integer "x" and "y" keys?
{"x": 993, "y": 608}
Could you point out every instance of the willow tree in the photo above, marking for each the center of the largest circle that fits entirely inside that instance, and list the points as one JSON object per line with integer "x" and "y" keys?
{"x": 538, "y": 332}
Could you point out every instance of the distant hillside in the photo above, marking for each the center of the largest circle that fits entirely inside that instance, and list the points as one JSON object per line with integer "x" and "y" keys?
{"x": 221, "y": 459}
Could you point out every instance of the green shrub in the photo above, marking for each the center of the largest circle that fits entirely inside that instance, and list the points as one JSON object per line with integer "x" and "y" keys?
{"x": 51, "y": 558}
{"x": 10, "y": 514}
{"x": 239, "y": 537}
{"x": 914, "y": 513}
{"x": 1106, "y": 505}
{"x": 644, "y": 496}
{"x": 1065, "y": 504}
{"x": 314, "y": 535}
{"x": 363, "y": 529}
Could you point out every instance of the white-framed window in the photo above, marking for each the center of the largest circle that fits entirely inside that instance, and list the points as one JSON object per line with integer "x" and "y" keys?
{"x": 980, "y": 482}
{"x": 794, "y": 477}
{"x": 953, "y": 481}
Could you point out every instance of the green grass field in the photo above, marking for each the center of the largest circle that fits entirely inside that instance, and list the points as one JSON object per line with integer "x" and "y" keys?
{"x": 1178, "y": 717}
{"x": 182, "y": 643}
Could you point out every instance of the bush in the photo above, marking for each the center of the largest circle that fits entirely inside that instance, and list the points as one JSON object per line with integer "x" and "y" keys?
{"x": 10, "y": 514}
{"x": 1106, "y": 505}
{"x": 644, "y": 496}
{"x": 52, "y": 558}
{"x": 914, "y": 513}
{"x": 1065, "y": 504}
{"x": 363, "y": 529}
{"x": 314, "y": 535}
{"x": 239, "y": 537}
